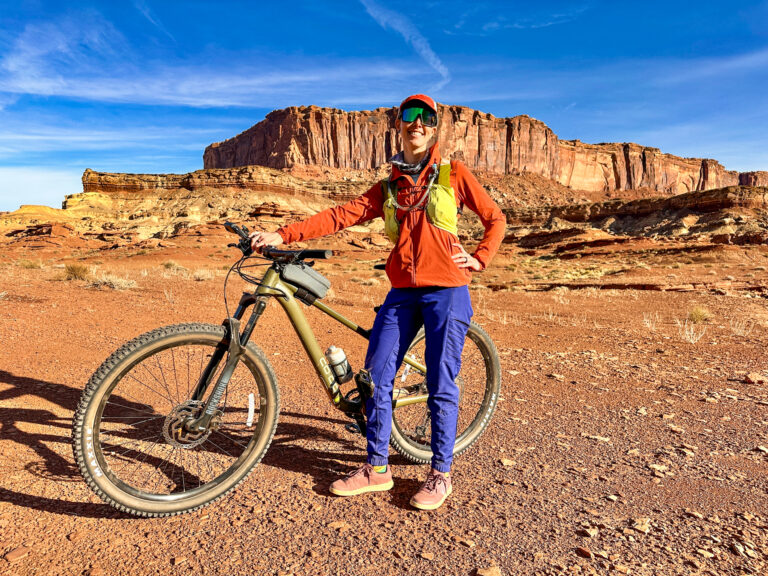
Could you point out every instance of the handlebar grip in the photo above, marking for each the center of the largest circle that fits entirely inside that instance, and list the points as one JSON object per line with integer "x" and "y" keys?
{"x": 316, "y": 254}
{"x": 289, "y": 255}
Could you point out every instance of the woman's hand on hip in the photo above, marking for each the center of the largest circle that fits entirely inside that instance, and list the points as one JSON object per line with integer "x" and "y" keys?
{"x": 261, "y": 239}
{"x": 465, "y": 260}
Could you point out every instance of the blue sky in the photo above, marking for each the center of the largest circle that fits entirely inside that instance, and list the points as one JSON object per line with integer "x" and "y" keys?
{"x": 145, "y": 85}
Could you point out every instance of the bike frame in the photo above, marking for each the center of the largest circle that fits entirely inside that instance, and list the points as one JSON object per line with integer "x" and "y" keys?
{"x": 272, "y": 286}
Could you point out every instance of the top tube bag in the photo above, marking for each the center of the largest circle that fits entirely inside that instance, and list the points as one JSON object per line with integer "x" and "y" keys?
{"x": 303, "y": 276}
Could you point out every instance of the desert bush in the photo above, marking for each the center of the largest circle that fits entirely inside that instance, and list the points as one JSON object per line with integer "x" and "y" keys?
{"x": 112, "y": 282}
{"x": 650, "y": 320}
{"x": 367, "y": 281}
{"x": 742, "y": 328}
{"x": 201, "y": 275}
{"x": 30, "y": 264}
{"x": 699, "y": 314}
{"x": 689, "y": 332}
{"x": 551, "y": 316}
{"x": 76, "y": 271}
{"x": 3, "y": 295}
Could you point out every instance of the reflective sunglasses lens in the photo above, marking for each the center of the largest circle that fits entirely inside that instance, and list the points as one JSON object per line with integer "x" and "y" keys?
{"x": 410, "y": 114}
{"x": 428, "y": 117}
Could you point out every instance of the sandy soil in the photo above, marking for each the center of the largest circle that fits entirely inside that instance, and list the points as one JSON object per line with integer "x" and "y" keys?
{"x": 617, "y": 446}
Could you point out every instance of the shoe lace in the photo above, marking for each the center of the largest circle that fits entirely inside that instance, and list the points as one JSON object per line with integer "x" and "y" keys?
{"x": 433, "y": 480}
{"x": 366, "y": 469}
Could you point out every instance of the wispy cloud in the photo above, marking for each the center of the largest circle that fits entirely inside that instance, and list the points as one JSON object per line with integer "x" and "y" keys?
{"x": 681, "y": 72}
{"x": 403, "y": 26}
{"x": 143, "y": 7}
{"x": 482, "y": 20}
{"x": 88, "y": 59}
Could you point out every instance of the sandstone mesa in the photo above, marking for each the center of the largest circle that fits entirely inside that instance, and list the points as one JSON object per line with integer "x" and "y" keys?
{"x": 300, "y": 160}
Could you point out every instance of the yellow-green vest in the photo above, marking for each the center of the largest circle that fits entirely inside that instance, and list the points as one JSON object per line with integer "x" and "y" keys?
{"x": 441, "y": 208}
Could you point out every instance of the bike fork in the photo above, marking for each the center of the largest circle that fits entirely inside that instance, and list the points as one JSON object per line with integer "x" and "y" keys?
{"x": 234, "y": 350}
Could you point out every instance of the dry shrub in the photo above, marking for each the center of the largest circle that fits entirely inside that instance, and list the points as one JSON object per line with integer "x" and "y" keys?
{"x": 112, "y": 282}
{"x": 30, "y": 264}
{"x": 367, "y": 281}
{"x": 742, "y": 328}
{"x": 201, "y": 275}
{"x": 688, "y": 331}
{"x": 76, "y": 271}
{"x": 699, "y": 314}
{"x": 3, "y": 295}
{"x": 651, "y": 320}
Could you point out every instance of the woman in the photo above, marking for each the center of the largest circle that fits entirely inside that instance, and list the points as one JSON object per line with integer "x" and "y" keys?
{"x": 429, "y": 271}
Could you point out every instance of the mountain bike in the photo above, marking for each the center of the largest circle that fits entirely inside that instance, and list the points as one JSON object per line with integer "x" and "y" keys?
{"x": 179, "y": 416}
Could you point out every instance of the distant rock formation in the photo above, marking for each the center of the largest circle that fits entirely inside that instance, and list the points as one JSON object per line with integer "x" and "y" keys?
{"x": 735, "y": 214}
{"x": 365, "y": 140}
{"x": 753, "y": 178}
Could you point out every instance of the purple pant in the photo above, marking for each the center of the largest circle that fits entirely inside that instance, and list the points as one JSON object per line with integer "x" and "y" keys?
{"x": 445, "y": 314}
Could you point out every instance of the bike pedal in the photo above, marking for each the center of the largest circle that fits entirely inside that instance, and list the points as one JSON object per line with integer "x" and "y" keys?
{"x": 352, "y": 428}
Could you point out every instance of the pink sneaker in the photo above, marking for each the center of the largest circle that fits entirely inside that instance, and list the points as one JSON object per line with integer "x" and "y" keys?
{"x": 364, "y": 479}
{"x": 433, "y": 492}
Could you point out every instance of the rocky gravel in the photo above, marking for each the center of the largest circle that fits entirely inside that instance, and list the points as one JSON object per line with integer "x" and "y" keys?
{"x": 617, "y": 446}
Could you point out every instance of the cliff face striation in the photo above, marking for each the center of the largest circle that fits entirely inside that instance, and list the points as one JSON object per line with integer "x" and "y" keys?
{"x": 365, "y": 140}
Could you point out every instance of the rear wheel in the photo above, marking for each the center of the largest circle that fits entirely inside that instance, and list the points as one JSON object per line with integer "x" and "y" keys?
{"x": 129, "y": 438}
{"x": 479, "y": 383}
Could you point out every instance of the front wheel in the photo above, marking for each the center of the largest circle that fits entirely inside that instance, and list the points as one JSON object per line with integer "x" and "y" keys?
{"x": 479, "y": 383}
{"x": 128, "y": 435}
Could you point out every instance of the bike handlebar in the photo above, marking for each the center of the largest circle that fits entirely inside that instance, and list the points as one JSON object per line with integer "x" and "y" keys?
{"x": 270, "y": 251}
{"x": 289, "y": 255}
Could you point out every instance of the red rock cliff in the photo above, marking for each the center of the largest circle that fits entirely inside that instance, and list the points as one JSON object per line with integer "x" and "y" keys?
{"x": 365, "y": 140}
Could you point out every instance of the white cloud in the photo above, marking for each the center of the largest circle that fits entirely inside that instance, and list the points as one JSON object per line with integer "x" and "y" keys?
{"x": 390, "y": 19}
{"x": 686, "y": 71}
{"x": 145, "y": 10}
{"x": 88, "y": 59}
{"x": 37, "y": 185}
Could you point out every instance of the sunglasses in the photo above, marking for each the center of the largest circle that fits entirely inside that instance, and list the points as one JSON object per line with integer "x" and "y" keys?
{"x": 428, "y": 117}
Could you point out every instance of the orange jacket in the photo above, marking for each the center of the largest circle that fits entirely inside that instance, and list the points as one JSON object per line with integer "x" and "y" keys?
{"x": 422, "y": 255}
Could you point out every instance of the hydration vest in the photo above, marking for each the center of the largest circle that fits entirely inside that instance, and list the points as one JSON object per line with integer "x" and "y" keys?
{"x": 442, "y": 211}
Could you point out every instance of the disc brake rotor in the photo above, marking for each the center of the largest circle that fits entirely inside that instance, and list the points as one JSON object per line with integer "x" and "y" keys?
{"x": 177, "y": 435}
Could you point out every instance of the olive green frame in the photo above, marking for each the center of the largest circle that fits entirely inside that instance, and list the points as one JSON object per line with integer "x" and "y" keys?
{"x": 273, "y": 285}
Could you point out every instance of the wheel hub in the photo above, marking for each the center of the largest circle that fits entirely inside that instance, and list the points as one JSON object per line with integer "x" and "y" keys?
{"x": 175, "y": 431}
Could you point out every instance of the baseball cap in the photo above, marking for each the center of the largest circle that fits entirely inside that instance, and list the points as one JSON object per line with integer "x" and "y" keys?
{"x": 423, "y": 98}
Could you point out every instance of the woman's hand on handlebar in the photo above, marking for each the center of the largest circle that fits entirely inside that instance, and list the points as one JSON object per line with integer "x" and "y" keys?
{"x": 261, "y": 239}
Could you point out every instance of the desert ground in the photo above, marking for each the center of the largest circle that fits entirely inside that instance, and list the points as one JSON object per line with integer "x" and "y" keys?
{"x": 631, "y": 436}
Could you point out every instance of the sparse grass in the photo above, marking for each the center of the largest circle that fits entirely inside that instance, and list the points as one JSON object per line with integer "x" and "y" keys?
{"x": 591, "y": 292}
{"x": 551, "y": 316}
{"x": 168, "y": 293}
{"x": 699, "y": 314}
{"x": 29, "y": 264}
{"x": 559, "y": 295}
{"x": 76, "y": 271}
{"x": 742, "y": 328}
{"x": 650, "y": 320}
{"x": 366, "y": 281}
{"x": 202, "y": 275}
{"x": 112, "y": 282}
{"x": 689, "y": 331}
{"x": 172, "y": 266}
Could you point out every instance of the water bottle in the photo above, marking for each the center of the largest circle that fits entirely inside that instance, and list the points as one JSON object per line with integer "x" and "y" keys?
{"x": 337, "y": 360}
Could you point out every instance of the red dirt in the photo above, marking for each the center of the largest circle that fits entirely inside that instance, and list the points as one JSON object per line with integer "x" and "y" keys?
{"x": 561, "y": 482}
